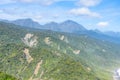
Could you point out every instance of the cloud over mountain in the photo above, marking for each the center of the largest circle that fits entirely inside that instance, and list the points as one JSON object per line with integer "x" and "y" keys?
{"x": 84, "y": 12}
{"x": 103, "y": 24}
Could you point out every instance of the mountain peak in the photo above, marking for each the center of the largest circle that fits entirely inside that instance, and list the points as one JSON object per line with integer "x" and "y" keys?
{"x": 70, "y": 22}
{"x": 52, "y": 23}
{"x": 29, "y": 19}
{"x": 27, "y": 22}
{"x": 26, "y": 19}
{"x": 71, "y": 26}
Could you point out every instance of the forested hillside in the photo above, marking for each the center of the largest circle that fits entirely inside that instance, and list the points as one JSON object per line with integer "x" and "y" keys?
{"x": 30, "y": 54}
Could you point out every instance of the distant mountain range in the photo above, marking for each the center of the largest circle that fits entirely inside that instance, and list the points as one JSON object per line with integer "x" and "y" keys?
{"x": 113, "y": 34}
{"x": 68, "y": 26}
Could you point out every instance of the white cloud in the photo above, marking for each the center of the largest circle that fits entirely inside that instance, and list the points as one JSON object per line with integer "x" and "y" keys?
{"x": 103, "y": 24}
{"x": 37, "y": 18}
{"x": 89, "y": 3}
{"x": 84, "y": 12}
{"x": 27, "y": 1}
{"x": 41, "y": 2}
{"x": 9, "y": 17}
{"x": 6, "y": 1}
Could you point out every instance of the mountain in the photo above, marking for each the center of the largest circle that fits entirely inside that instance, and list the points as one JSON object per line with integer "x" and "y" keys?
{"x": 4, "y": 76}
{"x": 52, "y": 26}
{"x": 113, "y": 34}
{"x": 3, "y": 20}
{"x": 68, "y": 26}
{"x": 30, "y": 54}
{"x": 71, "y": 26}
{"x": 34, "y": 55}
{"x": 27, "y": 23}
{"x": 100, "y": 35}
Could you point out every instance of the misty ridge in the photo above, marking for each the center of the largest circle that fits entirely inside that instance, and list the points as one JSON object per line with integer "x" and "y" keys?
{"x": 68, "y": 26}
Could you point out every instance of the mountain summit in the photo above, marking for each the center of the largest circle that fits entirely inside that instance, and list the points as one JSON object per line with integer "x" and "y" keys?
{"x": 71, "y": 26}
{"x": 66, "y": 26}
{"x": 27, "y": 22}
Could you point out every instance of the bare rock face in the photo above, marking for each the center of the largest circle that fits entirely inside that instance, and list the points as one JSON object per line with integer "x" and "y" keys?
{"x": 76, "y": 51}
{"x": 36, "y": 70}
{"x": 47, "y": 40}
{"x": 63, "y": 38}
{"x": 30, "y": 40}
{"x": 28, "y": 56}
{"x": 37, "y": 67}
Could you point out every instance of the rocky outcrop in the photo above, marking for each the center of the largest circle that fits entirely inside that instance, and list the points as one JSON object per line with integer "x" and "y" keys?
{"x": 37, "y": 67}
{"x": 47, "y": 40}
{"x": 30, "y": 40}
{"x": 27, "y": 55}
{"x": 76, "y": 51}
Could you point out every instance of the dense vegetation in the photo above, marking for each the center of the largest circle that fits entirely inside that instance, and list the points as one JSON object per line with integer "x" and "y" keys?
{"x": 57, "y": 56}
{"x": 4, "y": 76}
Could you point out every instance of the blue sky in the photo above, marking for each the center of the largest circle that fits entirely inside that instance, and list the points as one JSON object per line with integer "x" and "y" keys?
{"x": 92, "y": 14}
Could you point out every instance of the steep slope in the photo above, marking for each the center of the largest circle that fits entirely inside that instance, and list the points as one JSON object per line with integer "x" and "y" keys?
{"x": 27, "y": 23}
{"x": 68, "y": 26}
{"x": 113, "y": 34}
{"x": 52, "y": 26}
{"x": 71, "y": 26}
{"x": 4, "y": 76}
{"x": 36, "y": 54}
{"x": 100, "y": 36}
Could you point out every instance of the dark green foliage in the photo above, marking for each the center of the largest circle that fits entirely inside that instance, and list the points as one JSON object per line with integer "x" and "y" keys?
{"x": 95, "y": 61}
{"x": 6, "y": 77}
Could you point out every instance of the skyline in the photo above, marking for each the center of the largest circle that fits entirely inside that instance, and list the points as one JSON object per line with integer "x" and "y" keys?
{"x": 93, "y": 14}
